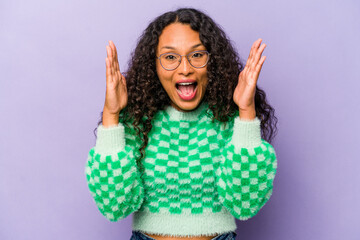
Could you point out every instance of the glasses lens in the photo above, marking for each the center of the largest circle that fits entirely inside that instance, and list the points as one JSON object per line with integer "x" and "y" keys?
{"x": 199, "y": 58}
{"x": 170, "y": 60}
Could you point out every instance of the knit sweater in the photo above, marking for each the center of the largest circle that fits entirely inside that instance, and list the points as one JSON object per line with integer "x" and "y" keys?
{"x": 199, "y": 175}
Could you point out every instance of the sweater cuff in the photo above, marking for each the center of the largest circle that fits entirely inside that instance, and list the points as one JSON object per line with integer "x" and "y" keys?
{"x": 110, "y": 139}
{"x": 246, "y": 133}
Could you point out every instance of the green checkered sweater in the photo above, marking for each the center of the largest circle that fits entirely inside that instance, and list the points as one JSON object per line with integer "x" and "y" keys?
{"x": 198, "y": 175}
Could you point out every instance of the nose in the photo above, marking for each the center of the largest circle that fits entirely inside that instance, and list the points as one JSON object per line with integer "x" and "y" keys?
{"x": 185, "y": 66}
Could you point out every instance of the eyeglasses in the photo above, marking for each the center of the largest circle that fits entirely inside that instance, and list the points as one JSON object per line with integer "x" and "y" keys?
{"x": 197, "y": 59}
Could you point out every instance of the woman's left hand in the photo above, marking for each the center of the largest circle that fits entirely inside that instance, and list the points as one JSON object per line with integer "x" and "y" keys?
{"x": 244, "y": 94}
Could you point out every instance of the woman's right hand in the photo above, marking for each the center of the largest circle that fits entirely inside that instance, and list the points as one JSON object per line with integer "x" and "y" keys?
{"x": 116, "y": 93}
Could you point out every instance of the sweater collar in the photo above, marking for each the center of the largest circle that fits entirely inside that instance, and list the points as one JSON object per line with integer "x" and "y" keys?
{"x": 176, "y": 115}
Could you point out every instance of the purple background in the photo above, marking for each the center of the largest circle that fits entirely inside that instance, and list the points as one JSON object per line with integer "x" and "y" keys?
{"x": 52, "y": 90}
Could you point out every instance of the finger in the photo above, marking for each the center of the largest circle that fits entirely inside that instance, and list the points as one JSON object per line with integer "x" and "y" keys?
{"x": 253, "y": 49}
{"x": 110, "y": 58}
{"x": 110, "y": 54}
{"x": 257, "y": 56}
{"x": 108, "y": 70}
{"x": 113, "y": 69}
{"x": 118, "y": 76}
{"x": 255, "y": 46}
{"x": 112, "y": 61}
{"x": 261, "y": 62}
{"x": 123, "y": 80}
{"x": 114, "y": 54}
{"x": 113, "y": 47}
{"x": 256, "y": 73}
{"x": 108, "y": 51}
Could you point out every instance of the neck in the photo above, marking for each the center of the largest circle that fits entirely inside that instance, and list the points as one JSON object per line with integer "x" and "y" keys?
{"x": 176, "y": 114}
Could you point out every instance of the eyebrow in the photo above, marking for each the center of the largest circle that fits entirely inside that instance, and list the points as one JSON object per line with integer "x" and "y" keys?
{"x": 169, "y": 47}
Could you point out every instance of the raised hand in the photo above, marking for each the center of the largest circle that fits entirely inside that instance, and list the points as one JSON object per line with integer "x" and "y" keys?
{"x": 116, "y": 93}
{"x": 244, "y": 94}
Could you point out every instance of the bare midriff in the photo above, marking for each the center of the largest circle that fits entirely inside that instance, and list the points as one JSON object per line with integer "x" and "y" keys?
{"x": 159, "y": 237}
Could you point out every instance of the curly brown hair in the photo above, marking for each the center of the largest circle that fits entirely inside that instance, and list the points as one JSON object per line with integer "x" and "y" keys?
{"x": 146, "y": 95}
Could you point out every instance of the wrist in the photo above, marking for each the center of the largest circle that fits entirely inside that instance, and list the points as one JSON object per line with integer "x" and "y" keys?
{"x": 249, "y": 114}
{"x": 109, "y": 119}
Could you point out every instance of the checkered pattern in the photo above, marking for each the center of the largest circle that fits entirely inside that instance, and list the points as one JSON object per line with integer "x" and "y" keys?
{"x": 246, "y": 179}
{"x": 115, "y": 183}
{"x": 191, "y": 167}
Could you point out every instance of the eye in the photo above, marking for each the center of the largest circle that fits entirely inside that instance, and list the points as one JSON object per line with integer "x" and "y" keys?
{"x": 170, "y": 57}
{"x": 197, "y": 55}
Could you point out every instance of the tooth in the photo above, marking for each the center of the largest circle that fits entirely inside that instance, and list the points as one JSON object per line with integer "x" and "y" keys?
{"x": 185, "y": 83}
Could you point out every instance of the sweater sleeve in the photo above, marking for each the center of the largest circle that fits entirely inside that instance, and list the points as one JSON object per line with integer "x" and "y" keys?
{"x": 247, "y": 169}
{"x": 112, "y": 174}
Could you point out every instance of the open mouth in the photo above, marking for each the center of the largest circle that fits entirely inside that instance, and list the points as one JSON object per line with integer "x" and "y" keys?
{"x": 186, "y": 87}
{"x": 186, "y": 90}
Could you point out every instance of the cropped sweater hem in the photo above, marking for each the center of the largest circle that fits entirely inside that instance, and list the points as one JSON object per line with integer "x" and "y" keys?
{"x": 184, "y": 225}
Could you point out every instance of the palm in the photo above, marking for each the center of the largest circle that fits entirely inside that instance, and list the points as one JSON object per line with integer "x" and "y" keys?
{"x": 116, "y": 92}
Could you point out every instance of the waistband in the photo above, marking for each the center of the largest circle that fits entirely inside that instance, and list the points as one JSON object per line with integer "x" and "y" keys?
{"x": 184, "y": 225}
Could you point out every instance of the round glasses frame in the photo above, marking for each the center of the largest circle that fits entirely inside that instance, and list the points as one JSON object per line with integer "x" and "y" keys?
{"x": 187, "y": 57}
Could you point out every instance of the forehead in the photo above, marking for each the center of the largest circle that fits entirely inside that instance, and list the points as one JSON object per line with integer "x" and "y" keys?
{"x": 178, "y": 36}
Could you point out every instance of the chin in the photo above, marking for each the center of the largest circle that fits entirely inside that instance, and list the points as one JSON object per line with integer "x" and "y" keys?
{"x": 186, "y": 106}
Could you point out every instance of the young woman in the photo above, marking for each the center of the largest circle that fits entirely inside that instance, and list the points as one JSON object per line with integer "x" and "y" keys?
{"x": 183, "y": 142}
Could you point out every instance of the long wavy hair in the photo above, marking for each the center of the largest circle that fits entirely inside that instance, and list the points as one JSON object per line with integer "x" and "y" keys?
{"x": 146, "y": 95}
